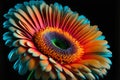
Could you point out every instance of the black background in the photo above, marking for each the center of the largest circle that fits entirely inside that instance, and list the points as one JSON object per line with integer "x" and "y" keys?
{"x": 103, "y": 13}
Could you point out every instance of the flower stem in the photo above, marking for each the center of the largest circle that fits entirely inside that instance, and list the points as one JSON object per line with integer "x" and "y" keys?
{"x": 30, "y": 75}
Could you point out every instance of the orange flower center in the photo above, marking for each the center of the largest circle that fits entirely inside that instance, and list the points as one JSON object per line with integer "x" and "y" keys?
{"x": 58, "y": 44}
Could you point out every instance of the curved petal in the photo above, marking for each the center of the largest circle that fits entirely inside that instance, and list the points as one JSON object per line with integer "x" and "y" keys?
{"x": 13, "y": 55}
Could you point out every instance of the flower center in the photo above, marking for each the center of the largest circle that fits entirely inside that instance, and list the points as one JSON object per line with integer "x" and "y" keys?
{"x": 62, "y": 44}
{"x": 58, "y": 44}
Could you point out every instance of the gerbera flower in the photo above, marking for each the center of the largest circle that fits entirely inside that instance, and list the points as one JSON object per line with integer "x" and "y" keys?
{"x": 53, "y": 42}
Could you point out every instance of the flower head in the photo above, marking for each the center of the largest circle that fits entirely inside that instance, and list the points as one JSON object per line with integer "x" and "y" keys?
{"x": 53, "y": 42}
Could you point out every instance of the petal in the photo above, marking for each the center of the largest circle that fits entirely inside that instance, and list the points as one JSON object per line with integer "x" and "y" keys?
{"x": 48, "y": 68}
{"x": 16, "y": 43}
{"x": 58, "y": 67}
{"x": 70, "y": 74}
{"x": 98, "y": 57}
{"x": 68, "y": 66}
{"x": 81, "y": 67}
{"x": 6, "y": 24}
{"x": 21, "y": 50}
{"x": 32, "y": 15}
{"x": 89, "y": 76}
{"x": 13, "y": 55}
{"x": 97, "y": 71}
{"x": 96, "y": 49}
{"x": 61, "y": 76}
{"x": 87, "y": 32}
{"x": 30, "y": 44}
{"x": 53, "y": 75}
{"x": 39, "y": 17}
{"x": 106, "y": 54}
{"x": 19, "y": 34}
{"x": 92, "y": 63}
{"x": 34, "y": 52}
{"x": 101, "y": 38}
{"x": 25, "y": 57}
{"x": 12, "y": 28}
{"x": 72, "y": 22}
{"x": 9, "y": 42}
{"x": 13, "y": 23}
{"x": 26, "y": 43}
{"x": 43, "y": 62}
{"x": 80, "y": 74}
{"x": 43, "y": 57}
{"x": 16, "y": 65}
{"x": 24, "y": 24}
{"x": 52, "y": 61}
{"x": 26, "y": 16}
{"x": 23, "y": 42}
{"x": 91, "y": 37}
{"x": 7, "y": 36}
{"x": 32, "y": 64}
{"x": 104, "y": 71}
{"x": 22, "y": 68}
{"x": 95, "y": 43}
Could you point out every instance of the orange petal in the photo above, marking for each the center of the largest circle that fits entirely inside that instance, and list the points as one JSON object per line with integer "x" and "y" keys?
{"x": 32, "y": 64}
{"x": 48, "y": 68}
{"x": 21, "y": 50}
